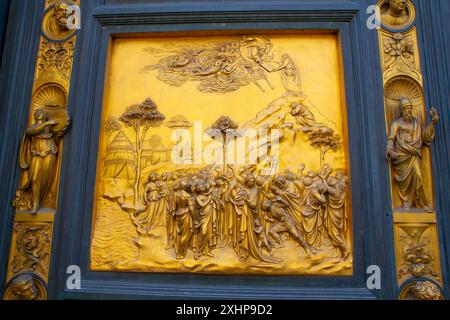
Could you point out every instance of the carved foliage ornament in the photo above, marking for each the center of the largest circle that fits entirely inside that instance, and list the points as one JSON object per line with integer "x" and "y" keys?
{"x": 56, "y": 55}
{"x": 398, "y": 46}
{"x": 415, "y": 248}
{"x": 32, "y": 248}
{"x": 400, "y": 55}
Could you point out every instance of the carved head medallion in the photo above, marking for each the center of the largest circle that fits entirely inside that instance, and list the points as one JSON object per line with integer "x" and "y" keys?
{"x": 421, "y": 290}
{"x": 55, "y": 22}
{"x": 397, "y": 14}
{"x": 26, "y": 286}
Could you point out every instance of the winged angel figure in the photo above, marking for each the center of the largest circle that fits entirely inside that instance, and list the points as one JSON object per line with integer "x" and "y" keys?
{"x": 225, "y": 67}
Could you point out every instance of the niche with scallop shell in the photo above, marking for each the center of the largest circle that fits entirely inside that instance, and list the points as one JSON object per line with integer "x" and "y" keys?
{"x": 403, "y": 87}
{"x": 52, "y": 98}
{"x": 396, "y": 89}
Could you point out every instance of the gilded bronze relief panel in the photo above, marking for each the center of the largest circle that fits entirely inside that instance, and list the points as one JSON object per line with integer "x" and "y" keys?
{"x": 224, "y": 155}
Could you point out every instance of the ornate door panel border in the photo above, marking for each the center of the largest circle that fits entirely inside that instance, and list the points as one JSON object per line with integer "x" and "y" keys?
{"x": 373, "y": 232}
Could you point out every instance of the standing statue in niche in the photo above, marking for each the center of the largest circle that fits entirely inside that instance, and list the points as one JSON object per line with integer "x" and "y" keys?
{"x": 38, "y": 160}
{"x": 404, "y": 150}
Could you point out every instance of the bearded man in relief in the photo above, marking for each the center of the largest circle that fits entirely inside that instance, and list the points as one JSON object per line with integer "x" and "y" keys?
{"x": 404, "y": 150}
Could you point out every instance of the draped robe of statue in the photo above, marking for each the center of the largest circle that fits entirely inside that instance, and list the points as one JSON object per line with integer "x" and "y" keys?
{"x": 407, "y": 139}
{"x": 229, "y": 216}
{"x": 303, "y": 116}
{"x": 335, "y": 219}
{"x": 246, "y": 204}
{"x": 290, "y": 76}
{"x": 183, "y": 223}
{"x": 161, "y": 218}
{"x": 221, "y": 218}
{"x": 215, "y": 233}
{"x": 263, "y": 190}
{"x": 170, "y": 217}
{"x": 38, "y": 155}
{"x": 311, "y": 219}
{"x": 145, "y": 220}
{"x": 206, "y": 216}
{"x": 239, "y": 194}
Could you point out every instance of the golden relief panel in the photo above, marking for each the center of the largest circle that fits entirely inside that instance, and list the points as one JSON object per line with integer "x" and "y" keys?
{"x": 224, "y": 155}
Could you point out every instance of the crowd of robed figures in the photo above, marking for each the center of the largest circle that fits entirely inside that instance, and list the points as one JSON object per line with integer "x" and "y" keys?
{"x": 207, "y": 209}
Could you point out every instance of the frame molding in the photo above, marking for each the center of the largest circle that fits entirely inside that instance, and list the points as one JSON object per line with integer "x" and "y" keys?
{"x": 434, "y": 50}
{"x": 372, "y": 231}
{"x": 16, "y": 82}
